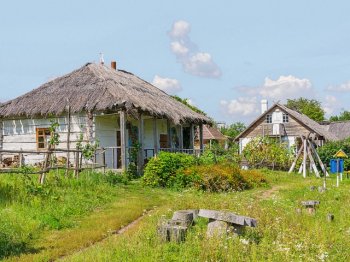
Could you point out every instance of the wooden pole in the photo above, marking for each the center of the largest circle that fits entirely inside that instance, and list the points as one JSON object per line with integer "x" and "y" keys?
{"x": 305, "y": 157}
{"x": 1, "y": 139}
{"x": 104, "y": 160}
{"x": 76, "y": 165}
{"x": 324, "y": 169}
{"x": 68, "y": 139}
{"x": 169, "y": 133}
{"x": 181, "y": 138}
{"x": 192, "y": 137}
{"x": 201, "y": 144}
{"x": 46, "y": 165}
{"x": 295, "y": 160}
{"x": 155, "y": 136}
{"x": 312, "y": 164}
{"x": 122, "y": 125}
{"x": 141, "y": 157}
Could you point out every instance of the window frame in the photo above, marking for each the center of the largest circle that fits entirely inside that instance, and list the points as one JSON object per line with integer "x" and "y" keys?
{"x": 285, "y": 118}
{"x": 268, "y": 118}
{"x": 46, "y": 134}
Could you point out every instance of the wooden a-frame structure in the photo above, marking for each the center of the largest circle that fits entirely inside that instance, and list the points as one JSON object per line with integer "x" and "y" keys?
{"x": 308, "y": 153}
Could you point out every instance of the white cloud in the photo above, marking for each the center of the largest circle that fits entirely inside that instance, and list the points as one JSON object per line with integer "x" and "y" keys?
{"x": 180, "y": 29}
{"x": 179, "y": 48}
{"x": 330, "y": 105}
{"x": 168, "y": 85}
{"x": 201, "y": 64}
{"x": 345, "y": 87}
{"x": 286, "y": 87}
{"x": 193, "y": 62}
{"x": 242, "y": 106}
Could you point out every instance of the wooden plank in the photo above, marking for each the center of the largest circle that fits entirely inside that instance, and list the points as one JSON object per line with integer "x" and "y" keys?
{"x": 201, "y": 142}
{"x": 312, "y": 163}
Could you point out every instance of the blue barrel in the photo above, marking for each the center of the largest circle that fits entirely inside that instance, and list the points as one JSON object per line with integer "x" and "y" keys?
{"x": 333, "y": 165}
{"x": 334, "y": 168}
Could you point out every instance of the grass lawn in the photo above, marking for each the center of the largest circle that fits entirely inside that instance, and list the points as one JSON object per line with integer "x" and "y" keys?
{"x": 282, "y": 234}
{"x": 89, "y": 210}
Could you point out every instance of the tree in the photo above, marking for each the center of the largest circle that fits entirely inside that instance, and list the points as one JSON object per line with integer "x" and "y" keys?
{"x": 234, "y": 129}
{"x": 310, "y": 107}
{"x": 345, "y": 115}
{"x": 186, "y": 103}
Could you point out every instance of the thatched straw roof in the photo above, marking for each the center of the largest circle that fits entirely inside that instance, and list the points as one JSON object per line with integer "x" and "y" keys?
{"x": 97, "y": 88}
{"x": 212, "y": 133}
{"x": 301, "y": 118}
{"x": 340, "y": 128}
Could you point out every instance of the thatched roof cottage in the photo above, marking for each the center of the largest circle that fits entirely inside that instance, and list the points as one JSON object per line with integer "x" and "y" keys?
{"x": 112, "y": 106}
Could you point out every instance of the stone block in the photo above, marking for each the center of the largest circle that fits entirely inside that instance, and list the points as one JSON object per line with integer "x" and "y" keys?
{"x": 227, "y": 217}
{"x": 185, "y": 216}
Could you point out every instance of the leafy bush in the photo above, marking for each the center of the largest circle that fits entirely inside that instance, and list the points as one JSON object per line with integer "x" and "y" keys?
{"x": 160, "y": 170}
{"x": 266, "y": 152}
{"x": 114, "y": 178}
{"x": 329, "y": 149}
{"x": 254, "y": 177}
{"x": 216, "y": 178}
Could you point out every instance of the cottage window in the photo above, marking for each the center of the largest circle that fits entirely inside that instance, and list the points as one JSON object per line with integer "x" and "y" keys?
{"x": 269, "y": 118}
{"x": 42, "y": 137}
{"x": 285, "y": 118}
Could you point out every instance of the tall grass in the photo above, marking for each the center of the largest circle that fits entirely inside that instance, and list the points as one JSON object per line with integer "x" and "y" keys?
{"x": 27, "y": 208}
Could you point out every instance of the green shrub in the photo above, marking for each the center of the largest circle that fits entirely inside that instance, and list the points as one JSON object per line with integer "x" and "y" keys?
{"x": 329, "y": 149}
{"x": 160, "y": 170}
{"x": 266, "y": 152}
{"x": 115, "y": 178}
{"x": 254, "y": 177}
{"x": 217, "y": 178}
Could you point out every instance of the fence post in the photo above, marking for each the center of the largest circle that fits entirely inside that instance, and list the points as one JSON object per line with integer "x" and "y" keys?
{"x": 76, "y": 166}
{"x": 104, "y": 160}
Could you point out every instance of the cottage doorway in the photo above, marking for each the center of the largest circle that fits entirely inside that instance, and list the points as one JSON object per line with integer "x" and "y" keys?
{"x": 119, "y": 150}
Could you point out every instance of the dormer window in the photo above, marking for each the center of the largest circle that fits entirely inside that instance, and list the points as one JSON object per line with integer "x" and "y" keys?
{"x": 269, "y": 118}
{"x": 285, "y": 118}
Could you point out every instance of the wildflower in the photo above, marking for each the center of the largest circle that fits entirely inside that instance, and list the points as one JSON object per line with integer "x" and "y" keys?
{"x": 244, "y": 241}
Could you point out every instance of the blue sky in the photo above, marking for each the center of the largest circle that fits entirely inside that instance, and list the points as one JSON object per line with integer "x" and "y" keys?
{"x": 225, "y": 56}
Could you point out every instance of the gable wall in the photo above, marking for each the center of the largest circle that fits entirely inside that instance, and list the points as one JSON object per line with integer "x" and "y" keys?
{"x": 260, "y": 128}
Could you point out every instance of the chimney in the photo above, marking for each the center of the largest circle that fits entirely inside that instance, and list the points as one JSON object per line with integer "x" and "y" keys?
{"x": 264, "y": 106}
{"x": 114, "y": 65}
{"x": 102, "y": 61}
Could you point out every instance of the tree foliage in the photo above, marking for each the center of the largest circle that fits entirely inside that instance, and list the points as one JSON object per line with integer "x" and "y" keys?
{"x": 329, "y": 149}
{"x": 310, "y": 107}
{"x": 267, "y": 152}
{"x": 343, "y": 116}
{"x": 186, "y": 103}
{"x": 234, "y": 129}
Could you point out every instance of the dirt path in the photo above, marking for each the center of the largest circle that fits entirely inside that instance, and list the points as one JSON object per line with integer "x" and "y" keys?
{"x": 116, "y": 232}
{"x": 270, "y": 192}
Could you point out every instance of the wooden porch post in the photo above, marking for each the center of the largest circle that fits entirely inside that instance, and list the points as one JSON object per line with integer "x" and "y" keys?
{"x": 201, "y": 145}
{"x": 1, "y": 138}
{"x": 192, "y": 137}
{"x": 123, "y": 139}
{"x": 181, "y": 138}
{"x": 155, "y": 136}
{"x": 169, "y": 133}
{"x": 141, "y": 158}
{"x": 68, "y": 139}
{"x": 90, "y": 127}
